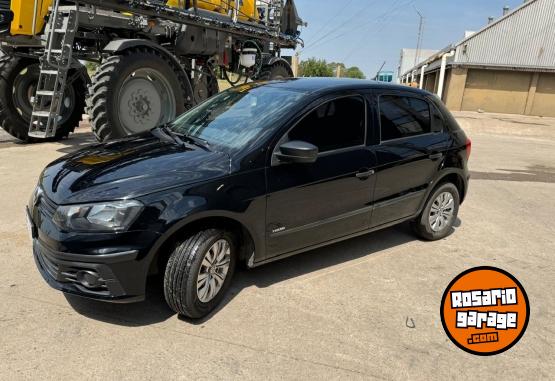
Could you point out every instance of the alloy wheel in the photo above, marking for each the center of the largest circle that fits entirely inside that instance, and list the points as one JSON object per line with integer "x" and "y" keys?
{"x": 213, "y": 270}
{"x": 441, "y": 212}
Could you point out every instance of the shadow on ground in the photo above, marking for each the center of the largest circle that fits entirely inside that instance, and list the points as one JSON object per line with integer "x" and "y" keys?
{"x": 535, "y": 174}
{"x": 76, "y": 141}
{"x": 154, "y": 308}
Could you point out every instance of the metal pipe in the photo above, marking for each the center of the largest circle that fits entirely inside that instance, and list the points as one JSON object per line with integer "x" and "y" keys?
{"x": 422, "y": 70}
{"x": 35, "y": 11}
{"x": 442, "y": 72}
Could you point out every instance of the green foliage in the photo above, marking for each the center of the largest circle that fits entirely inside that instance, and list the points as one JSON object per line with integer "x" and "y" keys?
{"x": 315, "y": 68}
{"x": 320, "y": 68}
{"x": 354, "y": 72}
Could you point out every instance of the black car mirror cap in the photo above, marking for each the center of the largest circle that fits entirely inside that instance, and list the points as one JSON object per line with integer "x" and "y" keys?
{"x": 297, "y": 151}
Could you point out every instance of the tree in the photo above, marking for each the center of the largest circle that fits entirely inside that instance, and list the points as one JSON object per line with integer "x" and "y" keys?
{"x": 315, "y": 68}
{"x": 320, "y": 68}
{"x": 354, "y": 72}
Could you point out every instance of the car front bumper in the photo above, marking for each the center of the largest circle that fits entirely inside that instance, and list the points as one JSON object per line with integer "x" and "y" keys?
{"x": 76, "y": 274}
{"x": 108, "y": 275}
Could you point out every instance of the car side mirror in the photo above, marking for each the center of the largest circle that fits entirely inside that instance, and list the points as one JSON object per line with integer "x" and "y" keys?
{"x": 297, "y": 152}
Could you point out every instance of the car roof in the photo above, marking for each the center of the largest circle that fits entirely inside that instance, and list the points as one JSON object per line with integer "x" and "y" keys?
{"x": 324, "y": 85}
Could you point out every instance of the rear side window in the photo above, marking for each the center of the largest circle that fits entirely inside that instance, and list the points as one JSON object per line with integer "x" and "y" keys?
{"x": 334, "y": 125}
{"x": 403, "y": 116}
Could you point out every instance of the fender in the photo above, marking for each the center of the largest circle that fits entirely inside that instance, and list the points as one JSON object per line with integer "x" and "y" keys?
{"x": 258, "y": 241}
{"x": 118, "y": 46}
{"x": 437, "y": 180}
{"x": 274, "y": 60}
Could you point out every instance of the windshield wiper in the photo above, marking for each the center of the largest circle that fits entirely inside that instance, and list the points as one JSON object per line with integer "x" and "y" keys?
{"x": 183, "y": 139}
{"x": 194, "y": 140}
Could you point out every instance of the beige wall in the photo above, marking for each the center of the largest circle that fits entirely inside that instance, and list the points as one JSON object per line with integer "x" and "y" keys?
{"x": 544, "y": 99}
{"x": 455, "y": 87}
{"x": 430, "y": 82}
{"x": 496, "y": 91}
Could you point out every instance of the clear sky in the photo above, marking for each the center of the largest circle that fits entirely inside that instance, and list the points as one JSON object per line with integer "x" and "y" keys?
{"x": 365, "y": 33}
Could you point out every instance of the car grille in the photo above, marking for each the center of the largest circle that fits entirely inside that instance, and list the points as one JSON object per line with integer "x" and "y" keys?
{"x": 46, "y": 206}
{"x": 50, "y": 267}
{"x": 4, "y": 4}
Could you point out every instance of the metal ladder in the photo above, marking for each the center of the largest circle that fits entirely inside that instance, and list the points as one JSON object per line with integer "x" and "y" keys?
{"x": 54, "y": 66}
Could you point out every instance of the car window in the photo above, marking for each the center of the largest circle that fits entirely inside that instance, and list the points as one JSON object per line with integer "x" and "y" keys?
{"x": 402, "y": 116}
{"x": 334, "y": 125}
{"x": 237, "y": 117}
{"x": 438, "y": 122}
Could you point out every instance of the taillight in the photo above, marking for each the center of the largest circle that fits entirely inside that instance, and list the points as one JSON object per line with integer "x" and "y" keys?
{"x": 468, "y": 148}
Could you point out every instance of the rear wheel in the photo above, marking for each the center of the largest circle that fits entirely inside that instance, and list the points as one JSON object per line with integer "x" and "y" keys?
{"x": 199, "y": 272}
{"x": 439, "y": 215}
{"x": 18, "y": 82}
{"x": 135, "y": 92}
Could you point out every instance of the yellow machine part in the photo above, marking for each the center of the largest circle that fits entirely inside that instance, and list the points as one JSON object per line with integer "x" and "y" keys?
{"x": 247, "y": 11}
{"x": 23, "y": 11}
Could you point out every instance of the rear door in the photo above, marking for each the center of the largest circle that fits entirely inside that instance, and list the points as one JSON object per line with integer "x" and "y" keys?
{"x": 409, "y": 153}
{"x": 309, "y": 204}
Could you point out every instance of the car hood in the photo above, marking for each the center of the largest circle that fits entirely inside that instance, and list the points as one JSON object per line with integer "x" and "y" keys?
{"x": 129, "y": 168}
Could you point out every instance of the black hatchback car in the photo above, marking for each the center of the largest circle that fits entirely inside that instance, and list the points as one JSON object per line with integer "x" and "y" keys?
{"x": 257, "y": 173}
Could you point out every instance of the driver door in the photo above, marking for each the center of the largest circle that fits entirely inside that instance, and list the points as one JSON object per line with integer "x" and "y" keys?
{"x": 309, "y": 204}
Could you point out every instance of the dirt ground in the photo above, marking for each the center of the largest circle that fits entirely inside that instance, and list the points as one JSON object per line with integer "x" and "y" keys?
{"x": 362, "y": 309}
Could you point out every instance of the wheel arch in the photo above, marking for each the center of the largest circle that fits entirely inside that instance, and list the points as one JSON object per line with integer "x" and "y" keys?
{"x": 452, "y": 176}
{"x": 162, "y": 249}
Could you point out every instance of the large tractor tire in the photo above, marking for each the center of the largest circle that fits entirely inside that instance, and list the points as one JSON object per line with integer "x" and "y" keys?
{"x": 18, "y": 82}
{"x": 277, "y": 71}
{"x": 205, "y": 85}
{"x": 135, "y": 91}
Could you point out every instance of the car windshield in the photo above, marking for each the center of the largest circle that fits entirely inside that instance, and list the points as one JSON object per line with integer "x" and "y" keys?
{"x": 237, "y": 117}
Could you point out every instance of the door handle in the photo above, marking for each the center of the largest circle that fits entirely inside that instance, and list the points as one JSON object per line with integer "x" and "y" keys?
{"x": 436, "y": 156}
{"x": 365, "y": 174}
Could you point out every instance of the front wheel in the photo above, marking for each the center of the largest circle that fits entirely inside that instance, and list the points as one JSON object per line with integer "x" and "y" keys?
{"x": 439, "y": 215}
{"x": 199, "y": 272}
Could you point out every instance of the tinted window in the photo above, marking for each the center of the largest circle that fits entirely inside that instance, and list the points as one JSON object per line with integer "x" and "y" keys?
{"x": 334, "y": 125}
{"x": 239, "y": 116}
{"x": 403, "y": 116}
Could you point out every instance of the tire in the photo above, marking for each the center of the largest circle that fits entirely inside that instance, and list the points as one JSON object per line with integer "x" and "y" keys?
{"x": 432, "y": 229}
{"x": 184, "y": 267}
{"x": 117, "y": 85}
{"x": 276, "y": 71}
{"x": 18, "y": 80}
{"x": 206, "y": 85}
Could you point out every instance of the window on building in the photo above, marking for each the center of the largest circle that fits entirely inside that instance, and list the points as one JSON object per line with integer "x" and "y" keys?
{"x": 334, "y": 125}
{"x": 403, "y": 117}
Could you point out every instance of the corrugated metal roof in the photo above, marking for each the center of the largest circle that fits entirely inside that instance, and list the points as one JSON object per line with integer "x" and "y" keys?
{"x": 524, "y": 37}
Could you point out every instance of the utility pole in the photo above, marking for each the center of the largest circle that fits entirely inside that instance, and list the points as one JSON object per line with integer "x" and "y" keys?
{"x": 338, "y": 71}
{"x": 420, "y": 35}
{"x": 295, "y": 63}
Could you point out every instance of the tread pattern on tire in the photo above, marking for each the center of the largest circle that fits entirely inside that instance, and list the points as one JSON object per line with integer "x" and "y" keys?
{"x": 100, "y": 90}
{"x": 178, "y": 270}
{"x": 13, "y": 123}
{"x": 268, "y": 72}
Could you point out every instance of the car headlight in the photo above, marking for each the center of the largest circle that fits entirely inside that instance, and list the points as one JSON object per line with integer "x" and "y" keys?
{"x": 101, "y": 217}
